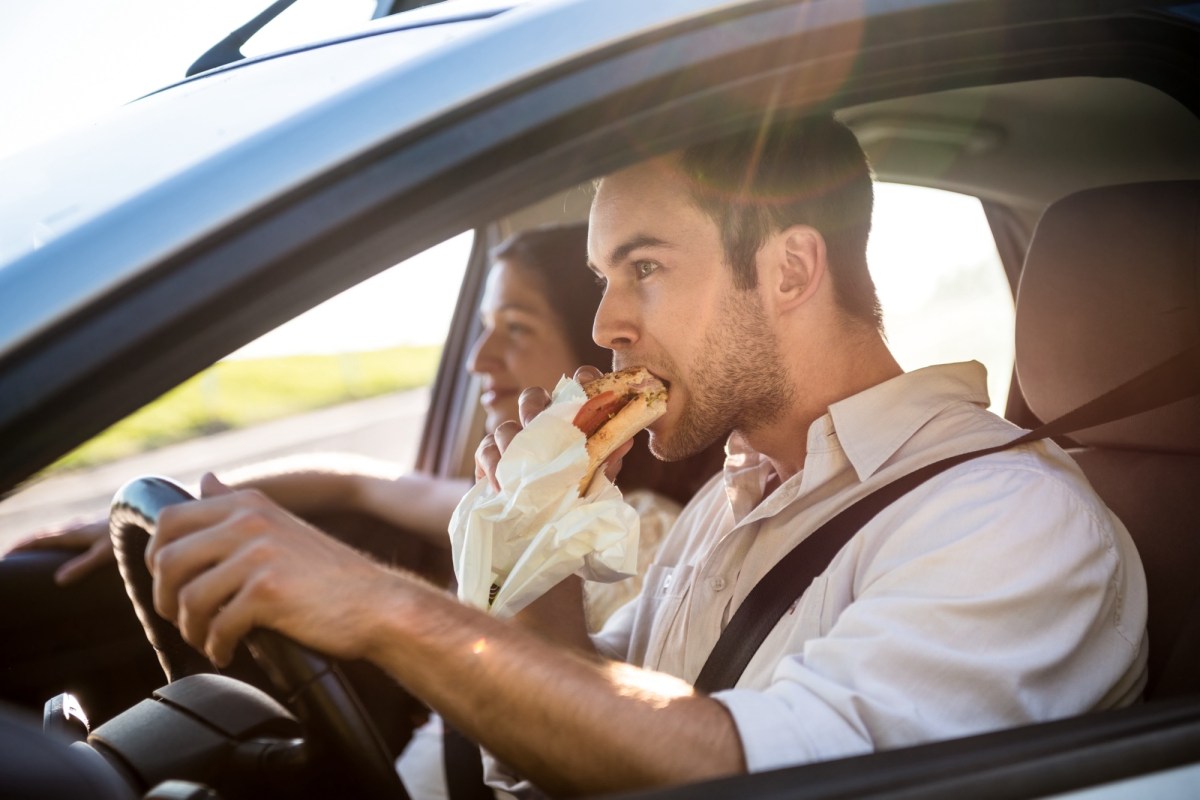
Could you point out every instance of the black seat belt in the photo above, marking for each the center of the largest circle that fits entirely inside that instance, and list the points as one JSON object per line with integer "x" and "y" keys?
{"x": 464, "y": 767}
{"x": 1176, "y": 379}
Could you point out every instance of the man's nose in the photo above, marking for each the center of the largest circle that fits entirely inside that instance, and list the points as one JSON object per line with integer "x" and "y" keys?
{"x": 616, "y": 325}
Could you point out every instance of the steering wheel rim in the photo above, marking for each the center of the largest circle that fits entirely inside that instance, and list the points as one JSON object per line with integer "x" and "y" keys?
{"x": 338, "y": 729}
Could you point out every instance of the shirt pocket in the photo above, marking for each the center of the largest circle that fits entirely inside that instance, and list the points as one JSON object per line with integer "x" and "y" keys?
{"x": 662, "y": 595}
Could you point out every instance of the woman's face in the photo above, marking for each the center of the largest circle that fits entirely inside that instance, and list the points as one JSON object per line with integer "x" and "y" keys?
{"x": 522, "y": 343}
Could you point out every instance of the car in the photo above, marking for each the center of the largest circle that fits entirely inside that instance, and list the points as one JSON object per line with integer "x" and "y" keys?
{"x": 139, "y": 250}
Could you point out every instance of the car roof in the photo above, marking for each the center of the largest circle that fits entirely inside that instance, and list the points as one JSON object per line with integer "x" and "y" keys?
{"x": 99, "y": 203}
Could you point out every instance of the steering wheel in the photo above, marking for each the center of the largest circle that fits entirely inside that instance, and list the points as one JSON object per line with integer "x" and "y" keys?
{"x": 339, "y": 732}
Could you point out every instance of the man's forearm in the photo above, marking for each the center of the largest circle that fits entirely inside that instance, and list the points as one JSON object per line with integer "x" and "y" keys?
{"x": 570, "y": 723}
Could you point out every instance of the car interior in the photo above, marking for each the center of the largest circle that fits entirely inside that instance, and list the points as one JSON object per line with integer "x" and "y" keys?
{"x": 1090, "y": 184}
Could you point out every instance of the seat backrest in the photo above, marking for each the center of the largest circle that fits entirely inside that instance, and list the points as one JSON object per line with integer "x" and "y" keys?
{"x": 1111, "y": 286}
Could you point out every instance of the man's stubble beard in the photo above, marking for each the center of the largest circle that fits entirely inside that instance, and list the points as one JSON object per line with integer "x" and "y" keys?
{"x": 738, "y": 381}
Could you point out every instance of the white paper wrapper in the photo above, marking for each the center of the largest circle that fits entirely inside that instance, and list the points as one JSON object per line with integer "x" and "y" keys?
{"x": 537, "y": 530}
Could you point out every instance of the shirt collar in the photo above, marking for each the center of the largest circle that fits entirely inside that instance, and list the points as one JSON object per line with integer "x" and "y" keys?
{"x": 869, "y": 427}
{"x": 872, "y": 425}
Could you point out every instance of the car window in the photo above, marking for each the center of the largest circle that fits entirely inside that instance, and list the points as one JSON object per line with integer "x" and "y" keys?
{"x": 352, "y": 375}
{"x": 941, "y": 283}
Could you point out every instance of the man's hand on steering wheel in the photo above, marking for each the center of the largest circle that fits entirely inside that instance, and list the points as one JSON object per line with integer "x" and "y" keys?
{"x": 234, "y": 561}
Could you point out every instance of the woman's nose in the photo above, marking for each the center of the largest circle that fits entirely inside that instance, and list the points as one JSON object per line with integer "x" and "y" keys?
{"x": 482, "y": 358}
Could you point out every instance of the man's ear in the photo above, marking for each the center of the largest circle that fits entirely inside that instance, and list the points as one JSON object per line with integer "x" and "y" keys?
{"x": 800, "y": 265}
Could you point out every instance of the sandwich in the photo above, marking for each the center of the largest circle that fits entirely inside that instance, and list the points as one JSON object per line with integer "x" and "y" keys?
{"x": 619, "y": 405}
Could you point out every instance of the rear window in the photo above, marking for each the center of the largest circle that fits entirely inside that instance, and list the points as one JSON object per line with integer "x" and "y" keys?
{"x": 941, "y": 283}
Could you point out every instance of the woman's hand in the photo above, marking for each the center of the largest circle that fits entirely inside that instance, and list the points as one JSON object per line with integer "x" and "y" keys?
{"x": 90, "y": 537}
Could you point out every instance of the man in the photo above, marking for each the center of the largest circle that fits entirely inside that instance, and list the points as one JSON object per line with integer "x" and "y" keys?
{"x": 1001, "y": 592}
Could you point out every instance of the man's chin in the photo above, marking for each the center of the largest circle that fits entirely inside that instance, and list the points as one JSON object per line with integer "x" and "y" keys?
{"x": 674, "y": 440}
{"x": 664, "y": 448}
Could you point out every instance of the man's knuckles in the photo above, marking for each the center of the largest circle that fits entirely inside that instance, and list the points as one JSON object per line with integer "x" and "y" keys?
{"x": 193, "y": 626}
{"x": 532, "y": 402}
{"x": 585, "y": 375}
{"x": 504, "y": 435}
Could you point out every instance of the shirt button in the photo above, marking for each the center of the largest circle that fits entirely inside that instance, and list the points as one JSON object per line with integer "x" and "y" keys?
{"x": 716, "y": 584}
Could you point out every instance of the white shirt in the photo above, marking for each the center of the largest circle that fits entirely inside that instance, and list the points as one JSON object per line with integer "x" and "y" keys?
{"x": 421, "y": 765}
{"x": 1001, "y": 592}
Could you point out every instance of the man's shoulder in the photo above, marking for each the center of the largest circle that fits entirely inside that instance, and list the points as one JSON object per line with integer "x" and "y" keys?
{"x": 1035, "y": 478}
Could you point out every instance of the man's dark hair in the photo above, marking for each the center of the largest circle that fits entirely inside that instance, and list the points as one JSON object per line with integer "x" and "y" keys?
{"x": 808, "y": 171}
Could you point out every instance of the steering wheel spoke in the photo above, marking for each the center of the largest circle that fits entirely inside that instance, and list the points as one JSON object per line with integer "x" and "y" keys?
{"x": 340, "y": 733}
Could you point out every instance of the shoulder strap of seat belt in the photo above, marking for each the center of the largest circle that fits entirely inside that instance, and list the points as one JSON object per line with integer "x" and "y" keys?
{"x": 1175, "y": 379}
{"x": 1171, "y": 381}
{"x": 463, "y": 765}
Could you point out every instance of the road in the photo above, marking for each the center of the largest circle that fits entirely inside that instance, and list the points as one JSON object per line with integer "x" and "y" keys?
{"x": 387, "y": 427}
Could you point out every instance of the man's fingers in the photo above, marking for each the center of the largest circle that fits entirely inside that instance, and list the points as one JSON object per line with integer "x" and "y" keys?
{"x": 487, "y": 455}
{"x": 211, "y": 486}
{"x": 587, "y": 374}
{"x": 201, "y": 600}
{"x": 612, "y": 466}
{"x": 532, "y": 402}
{"x": 229, "y": 626}
{"x": 504, "y": 434}
{"x": 181, "y": 519}
{"x": 177, "y": 564}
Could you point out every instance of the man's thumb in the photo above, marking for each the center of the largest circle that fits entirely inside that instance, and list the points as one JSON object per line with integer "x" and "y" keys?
{"x": 210, "y": 486}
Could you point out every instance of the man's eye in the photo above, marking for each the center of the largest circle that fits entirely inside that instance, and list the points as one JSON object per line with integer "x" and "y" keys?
{"x": 517, "y": 328}
{"x": 644, "y": 269}
{"x": 601, "y": 281}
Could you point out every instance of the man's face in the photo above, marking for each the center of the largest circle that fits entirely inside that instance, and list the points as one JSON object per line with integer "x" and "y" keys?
{"x": 670, "y": 305}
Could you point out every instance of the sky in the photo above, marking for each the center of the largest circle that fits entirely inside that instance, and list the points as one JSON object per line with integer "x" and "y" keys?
{"x": 64, "y": 62}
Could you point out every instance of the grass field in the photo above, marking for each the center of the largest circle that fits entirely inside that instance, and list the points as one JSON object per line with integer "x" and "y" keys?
{"x": 236, "y": 393}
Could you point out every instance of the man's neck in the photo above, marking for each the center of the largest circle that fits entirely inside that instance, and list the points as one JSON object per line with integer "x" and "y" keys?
{"x": 784, "y": 442}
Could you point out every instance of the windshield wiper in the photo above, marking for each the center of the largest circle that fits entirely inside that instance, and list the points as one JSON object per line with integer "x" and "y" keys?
{"x": 229, "y": 49}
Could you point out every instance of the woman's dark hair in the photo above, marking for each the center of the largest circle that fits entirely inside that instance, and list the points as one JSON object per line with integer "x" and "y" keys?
{"x": 791, "y": 171}
{"x": 556, "y": 257}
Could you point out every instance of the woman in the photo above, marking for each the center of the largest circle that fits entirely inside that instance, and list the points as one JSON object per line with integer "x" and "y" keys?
{"x": 537, "y": 313}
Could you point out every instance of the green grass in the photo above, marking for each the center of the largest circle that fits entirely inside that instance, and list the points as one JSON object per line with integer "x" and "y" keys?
{"x": 234, "y": 394}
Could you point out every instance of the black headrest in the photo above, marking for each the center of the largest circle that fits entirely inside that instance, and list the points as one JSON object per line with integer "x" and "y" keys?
{"x": 1111, "y": 286}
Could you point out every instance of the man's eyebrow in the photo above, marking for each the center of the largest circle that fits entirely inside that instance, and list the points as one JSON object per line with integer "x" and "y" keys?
{"x": 622, "y": 251}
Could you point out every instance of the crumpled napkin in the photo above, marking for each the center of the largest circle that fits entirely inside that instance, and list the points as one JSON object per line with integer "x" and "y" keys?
{"x": 511, "y": 546}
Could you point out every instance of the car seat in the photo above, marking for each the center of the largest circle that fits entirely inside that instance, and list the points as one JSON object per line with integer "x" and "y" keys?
{"x": 1111, "y": 286}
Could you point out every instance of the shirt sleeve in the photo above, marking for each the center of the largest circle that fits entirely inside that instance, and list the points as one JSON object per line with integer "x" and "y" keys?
{"x": 1001, "y": 597}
